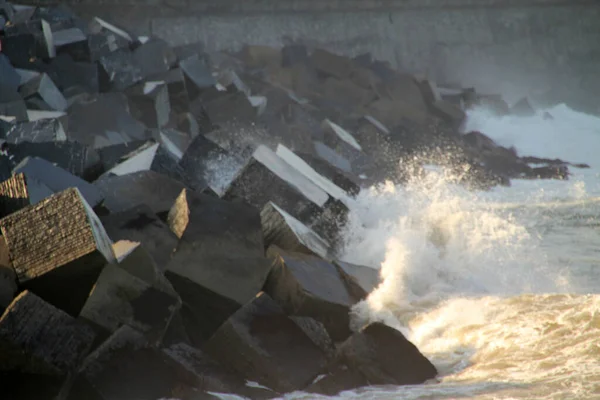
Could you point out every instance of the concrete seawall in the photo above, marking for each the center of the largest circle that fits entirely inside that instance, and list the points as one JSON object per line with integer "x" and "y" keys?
{"x": 546, "y": 49}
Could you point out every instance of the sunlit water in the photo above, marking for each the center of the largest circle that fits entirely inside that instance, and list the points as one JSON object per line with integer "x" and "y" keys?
{"x": 500, "y": 289}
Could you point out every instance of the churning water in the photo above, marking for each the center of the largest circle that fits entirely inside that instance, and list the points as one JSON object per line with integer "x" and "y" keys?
{"x": 500, "y": 289}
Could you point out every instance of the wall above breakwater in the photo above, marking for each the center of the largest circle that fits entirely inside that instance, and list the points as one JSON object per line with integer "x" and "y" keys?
{"x": 545, "y": 49}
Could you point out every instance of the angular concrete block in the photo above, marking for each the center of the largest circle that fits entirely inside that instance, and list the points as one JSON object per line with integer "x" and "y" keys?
{"x": 448, "y": 112}
{"x": 8, "y": 278}
{"x": 112, "y": 155}
{"x": 522, "y": 108}
{"x": 294, "y": 54}
{"x": 138, "y": 160}
{"x": 176, "y": 87}
{"x": 286, "y": 232}
{"x": 261, "y": 56}
{"x": 346, "y": 94}
{"x": 198, "y": 76}
{"x": 342, "y": 179}
{"x": 38, "y": 338}
{"x": 332, "y": 64}
{"x": 140, "y": 224}
{"x": 126, "y": 367}
{"x": 15, "y": 194}
{"x": 69, "y": 74}
{"x": 219, "y": 263}
{"x": 58, "y": 248}
{"x": 366, "y": 277}
{"x": 119, "y": 70}
{"x": 155, "y": 57}
{"x": 377, "y": 355}
{"x": 262, "y": 344}
{"x": 332, "y": 157}
{"x": 267, "y": 177}
{"x": 20, "y": 49}
{"x": 157, "y": 191}
{"x": 140, "y": 263}
{"x": 44, "y": 130}
{"x": 227, "y": 108}
{"x": 42, "y": 88}
{"x": 12, "y": 105}
{"x": 119, "y": 298}
{"x": 57, "y": 179}
{"x": 9, "y": 77}
{"x": 308, "y": 286}
{"x": 149, "y": 103}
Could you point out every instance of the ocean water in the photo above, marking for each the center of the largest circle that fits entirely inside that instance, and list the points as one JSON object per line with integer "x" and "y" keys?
{"x": 500, "y": 289}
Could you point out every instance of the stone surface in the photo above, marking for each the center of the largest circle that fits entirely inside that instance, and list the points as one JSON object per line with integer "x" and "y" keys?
{"x": 42, "y": 88}
{"x": 219, "y": 264}
{"x": 56, "y": 179}
{"x": 262, "y": 344}
{"x": 38, "y": 338}
{"x": 43, "y": 130}
{"x": 11, "y": 104}
{"x": 286, "y": 232}
{"x": 197, "y": 74}
{"x": 306, "y": 285}
{"x": 147, "y": 187}
{"x": 139, "y": 160}
{"x": 58, "y": 248}
{"x": 141, "y": 224}
{"x": 149, "y": 103}
{"x": 119, "y": 298}
{"x": 377, "y": 355}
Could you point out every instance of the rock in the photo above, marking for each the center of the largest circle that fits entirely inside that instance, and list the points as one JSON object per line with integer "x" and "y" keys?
{"x": 57, "y": 248}
{"x": 147, "y": 187}
{"x": 38, "y": 170}
{"x": 215, "y": 378}
{"x": 125, "y": 367}
{"x": 8, "y": 75}
{"x": 12, "y": 105}
{"x": 140, "y": 224}
{"x": 16, "y": 194}
{"x": 522, "y": 108}
{"x": 119, "y": 298}
{"x": 149, "y": 103}
{"x": 38, "y": 338}
{"x": 43, "y": 130}
{"x": 208, "y": 163}
{"x": 45, "y": 92}
{"x": 286, "y": 232}
{"x": 306, "y": 285}
{"x": 377, "y": 355}
{"x": 366, "y": 277}
{"x": 268, "y": 178}
{"x": 219, "y": 264}
{"x": 262, "y": 344}
{"x": 317, "y": 333}
{"x": 332, "y": 64}
{"x": 560, "y": 172}
{"x": 8, "y": 279}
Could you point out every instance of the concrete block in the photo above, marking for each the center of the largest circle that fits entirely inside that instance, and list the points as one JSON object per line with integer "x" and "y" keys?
{"x": 342, "y": 179}
{"x": 140, "y": 263}
{"x": 38, "y": 338}
{"x": 332, "y": 64}
{"x": 219, "y": 263}
{"x": 12, "y": 105}
{"x": 366, "y": 277}
{"x": 198, "y": 76}
{"x": 61, "y": 261}
{"x": 149, "y": 103}
{"x": 286, "y": 232}
{"x": 317, "y": 333}
{"x": 9, "y": 77}
{"x": 119, "y": 298}
{"x": 522, "y": 108}
{"x": 448, "y": 112}
{"x": 138, "y": 160}
{"x": 294, "y": 54}
{"x": 44, "y": 130}
{"x": 67, "y": 74}
{"x": 140, "y": 224}
{"x": 16, "y": 193}
{"x": 20, "y": 49}
{"x": 347, "y": 94}
{"x": 57, "y": 179}
{"x": 157, "y": 191}
{"x": 262, "y": 344}
{"x": 112, "y": 155}
{"x": 126, "y": 367}
{"x": 332, "y": 157}
{"x": 42, "y": 88}
{"x": 175, "y": 142}
{"x": 119, "y": 70}
{"x": 307, "y": 286}
{"x": 226, "y": 109}
{"x": 176, "y": 87}
{"x": 8, "y": 278}
{"x": 377, "y": 355}
{"x": 155, "y": 57}
{"x": 267, "y": 177}
{"x": 103, "y": 43}
{"x": 261, "y": 56}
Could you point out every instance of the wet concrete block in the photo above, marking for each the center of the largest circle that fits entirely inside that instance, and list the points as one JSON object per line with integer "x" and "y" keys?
{"x": 346, "y": 181}
{"x": 149, "y": 103}
{"x": 175, "y": 142}
{"x": 72, "y": 41}
{"x": 176, "y": 87}
{"x": 57, "y": 179}
{"x": 38, "y": 338}
{"x": 43, "y": 130}
{"x": 140, "y": 224}
{"x": 74, "y": 158}
{"x": 332, "y": 64}
{"x": 228, "y": 108}
{"x": 61, "y": 261}
{"x": 308, "y": 286}
{"x": 20, "y": 49}
{"x": 267, "y": 177}
{"x": 112, "y": 155}
{"x": 332, "y": 157}
{"x": 156, "y": 190}
{"x": 103, "y": 43}
{"x": 366, "y": 277}
{"x": 377, "y": 355}
{"x": 140, "y": 263}
{"x": 68, "y": 74}
{"x": 119, "y": 298}
{"x": 16, "y": 193}
{"x": 43, "y": 89}
{"x": 12, "y": 105}
{"x": 155, "y": 57}
{"x": 286, "y": 232}
{"x": 8, "y": 75}
{"x": 138, "y": 160}
{"x": 208, "y": 163}
{"x": 198, "y": 76}
{"x": 262, "y": 344}
{"x": 125, "y": 367}
{"x": 119, "y": 70}
{"x": 103, "y": 120}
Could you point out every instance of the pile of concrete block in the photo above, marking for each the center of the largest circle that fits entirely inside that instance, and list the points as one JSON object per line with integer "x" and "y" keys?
{"x": 170, "y": 221}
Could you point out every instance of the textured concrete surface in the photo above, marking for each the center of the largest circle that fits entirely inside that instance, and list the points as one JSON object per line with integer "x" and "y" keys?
{"x": 547, "y": 49}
